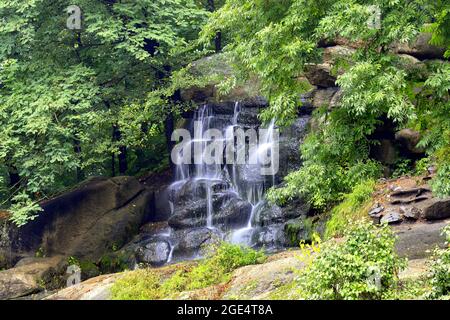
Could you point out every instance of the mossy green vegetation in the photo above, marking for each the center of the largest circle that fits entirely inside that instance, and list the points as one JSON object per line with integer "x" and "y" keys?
{"x": 353, "y": 207}
{"x": 221, "y": 260}
{"x": 299, "y": 229}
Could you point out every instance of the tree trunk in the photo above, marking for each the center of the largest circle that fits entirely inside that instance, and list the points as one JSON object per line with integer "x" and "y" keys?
{"x": 14, "y": 177}
{"x": 123, "y": 164}
{"x": 113, "y": 165}
{"x": 218, "y": 37}
{"x": 218, "y": 42}
{"x": 77, "y": 150}
{"x": 122, "y": 156}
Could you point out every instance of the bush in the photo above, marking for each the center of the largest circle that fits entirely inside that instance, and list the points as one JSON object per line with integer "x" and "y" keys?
{"x": 352, "y": 208}
{"x": 221, "y": 260}
{"x": 440, "y": 271}
{"x": 137, "y": 285}
{"x": 363, "y": 266}
{"x": 335, "y": 159}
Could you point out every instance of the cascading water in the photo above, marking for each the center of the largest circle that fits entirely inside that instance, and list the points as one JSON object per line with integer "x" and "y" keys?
{"x": 243, "y": 180}
{"x": 225, "y": 198}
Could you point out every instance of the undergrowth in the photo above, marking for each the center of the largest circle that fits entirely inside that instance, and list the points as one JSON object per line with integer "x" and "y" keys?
{"x": 221, "y": 260}
{"x": 353, "y": 207}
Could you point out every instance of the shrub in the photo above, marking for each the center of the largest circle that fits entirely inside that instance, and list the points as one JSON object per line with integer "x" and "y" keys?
{"x": 363, "y": 266}
{"x": 137, "y": 285}
{"x": 221, "y": 260}
{"x": 332, "y": 166}
{"x": 402, "y": 167}
{"x": 440, "y": 270}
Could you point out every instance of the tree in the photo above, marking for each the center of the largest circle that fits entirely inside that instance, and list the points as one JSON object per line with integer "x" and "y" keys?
{"x": 275, "y": 40}
{"x": 72, "y": 101}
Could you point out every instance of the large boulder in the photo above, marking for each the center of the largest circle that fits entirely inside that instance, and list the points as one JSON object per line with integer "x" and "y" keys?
{"x": 191, "y": 240}
{"x": 86, "y": 222}
{"x": 435, "y": 208}
{"x": 214, "y": 69}
{"x": 30, "y": 276}
{"x": 409, "y": 139}
{"x": 155, "y": 253}
{"x": 227, "y": 209}
{"x": 321, "y": 74}
{"x": 268, "y": 213}
{"x": 420, "y": 48}
{"x": 270, "y": 237}
{"x": 233, "y": 213}
{"x": 260, "y": 281}
{"x": 189, "y": 215}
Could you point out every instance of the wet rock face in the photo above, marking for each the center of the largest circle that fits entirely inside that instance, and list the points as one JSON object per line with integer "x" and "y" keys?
{"x": 190, "y": 241}
{"x": 271, "y": 237}
{"x": 192, "y": 204}
{"x": 289, "y": 146}
{"x": 269, "y": 214}
{"x": 233, "y": 213}
{"x": 154, "y": 253}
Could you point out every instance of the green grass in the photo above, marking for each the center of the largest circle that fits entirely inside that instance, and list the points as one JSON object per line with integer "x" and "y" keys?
{"x": 354, "y": 207}
{"x": 221, "y": 260}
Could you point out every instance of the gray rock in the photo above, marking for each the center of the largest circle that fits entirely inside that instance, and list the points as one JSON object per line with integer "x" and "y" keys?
{"x": 320, "y": 75}
{"x": 420, "y": 48}
{"x": 436, "y": 209}
{"x": 376, "y": 211}
{"x": 411, "y": 213}
{"x": 324, "y": 97}
{"x": 270, "y": 237}
{"x": 191, "y": 240}
{"x": 227, "y": 209}
{"x": 154, "y": 253}
{"x": 269, "y": 214}
{"x": 84, "y": 222}
{"x": 30, "y": 276}
{"x": 233, "y": 213}
{"x": 289, "y": 146}
{"x": 297, "y": 230}
{"x": 391, "y": 217}
{"x": 190, "y": 215}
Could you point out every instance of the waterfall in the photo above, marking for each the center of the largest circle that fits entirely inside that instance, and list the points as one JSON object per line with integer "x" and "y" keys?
{"x": 238, "y": 180}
